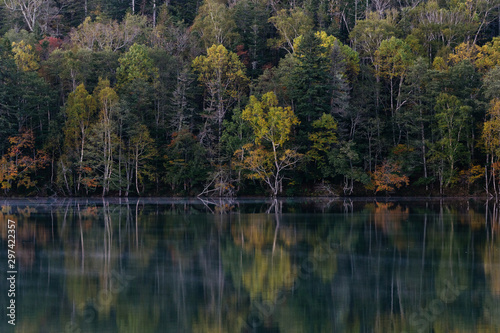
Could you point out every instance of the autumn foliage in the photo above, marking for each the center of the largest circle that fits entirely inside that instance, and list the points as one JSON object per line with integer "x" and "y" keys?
{"x": 21, "y": 161}
{"x": 248, "y": 97}
{"x": 389, "y": 176}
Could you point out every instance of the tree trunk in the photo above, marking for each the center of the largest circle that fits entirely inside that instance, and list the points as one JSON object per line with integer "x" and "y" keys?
{"x": 81, "y": 161}
{"x": 137, "y": 171}
{"x": 154, "y": 13}
{"x": 120, "y": 164}
{"x": 424, "y": 158}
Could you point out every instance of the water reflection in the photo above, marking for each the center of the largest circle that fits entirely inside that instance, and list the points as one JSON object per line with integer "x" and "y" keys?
{"x": 156, "y": 265}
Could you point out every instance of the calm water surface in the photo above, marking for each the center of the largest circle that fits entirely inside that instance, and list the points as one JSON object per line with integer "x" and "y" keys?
{"x": 312, "y": 265}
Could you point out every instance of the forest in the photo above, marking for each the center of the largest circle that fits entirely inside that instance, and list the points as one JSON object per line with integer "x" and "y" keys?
{"x": 249, "y": 97}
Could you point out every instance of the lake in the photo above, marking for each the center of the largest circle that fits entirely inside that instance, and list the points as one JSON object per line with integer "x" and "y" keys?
{"x": 251, "y": 265}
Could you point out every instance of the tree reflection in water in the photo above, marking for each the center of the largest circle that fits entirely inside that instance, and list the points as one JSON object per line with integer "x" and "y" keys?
{"x": 216, "y": 265}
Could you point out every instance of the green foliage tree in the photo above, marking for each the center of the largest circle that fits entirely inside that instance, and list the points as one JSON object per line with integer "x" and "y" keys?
{"x": 251, "y": 18}
{"x": 368, "y": 34}
{"x": 80, "y": 113}
{"x": 416, "y": 114}
{"x": 25, "y": 98}
{"x": 453, "y": 119}
{"x": 136, "y": 82}
{"x": 290, "y": 25}
{"x": 135, "y": 65}
{"x": 322, "y": 139}
{"x": 103, "y": 140}
{"x": 142, "y": 149}
{"x": 308, "y": 83}
{"x": 439, "y": 27}
{"x": 222, "y": 75}
{"x": 392, "y": 60}
{"x": 345, "y": 162}
{"x": 214, "y": 24}
{"x": 319, "y": 86}
{"x": 185, "y": 163}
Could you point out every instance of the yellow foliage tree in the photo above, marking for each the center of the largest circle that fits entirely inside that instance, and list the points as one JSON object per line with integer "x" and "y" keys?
{"x": 483, "y": 57}
{"x": 268, "y": 159}
{"x": 25, "y": 57}
{"x": 79, "y": 111}
{"x": 392, "y": 61}
{"x": 491, "y": 139}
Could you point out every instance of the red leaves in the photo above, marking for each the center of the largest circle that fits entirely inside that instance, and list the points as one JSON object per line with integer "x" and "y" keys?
{"x": 240, "y": 51}
{"x": 47, "y": 45}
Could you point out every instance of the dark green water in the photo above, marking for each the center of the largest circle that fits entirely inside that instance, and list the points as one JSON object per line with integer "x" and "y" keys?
{"x": 252, "y": 266}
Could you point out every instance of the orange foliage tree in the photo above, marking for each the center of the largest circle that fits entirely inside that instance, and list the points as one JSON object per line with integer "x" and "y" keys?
{"x": 21, "y": 160}
{"x": 388, "y": 176}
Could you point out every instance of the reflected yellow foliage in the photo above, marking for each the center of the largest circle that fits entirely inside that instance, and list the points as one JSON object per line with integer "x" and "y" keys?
{"x": 327, "y": 267}
{"x": 292, "y": 322}
{"x": 288, "y": 235}
{"x": 448, "y": 327}
{"x": 26, "y": 211}
{"x": 389, "y": 216}
{"x": 451, "y": 275}
{"x": 475, "y": 221}
{"x": 389, "y": 323}
{"x": 241, "y": 274}
{"x": 144, "y": 244}
{"x": 205, "y": 324}
{"x": 223, "y": 208}
{"x": 27, "y": 326}
{"x": 227, "y": 320}
{"x": 255, "y": 233}
{"x": 491, "y": 314}
{"x": 269, "y": 274}
{"x": 91, "y": 281}
{"x": 137, "y": 317}
{"x": 491, "y": 257}
{"x": 486, "y": 328}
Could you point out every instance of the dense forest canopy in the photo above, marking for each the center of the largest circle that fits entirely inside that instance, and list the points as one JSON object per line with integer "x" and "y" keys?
{"x": 249, "y": 97}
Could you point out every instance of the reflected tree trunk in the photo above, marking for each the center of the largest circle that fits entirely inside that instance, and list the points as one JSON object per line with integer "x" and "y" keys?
{"x": 137, "y": 224}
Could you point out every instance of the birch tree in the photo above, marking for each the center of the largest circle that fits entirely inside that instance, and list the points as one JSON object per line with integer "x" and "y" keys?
{"x": 222, "y": 75}
{"x": 268, "y": 159}
{"x": 30, "y": 9}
